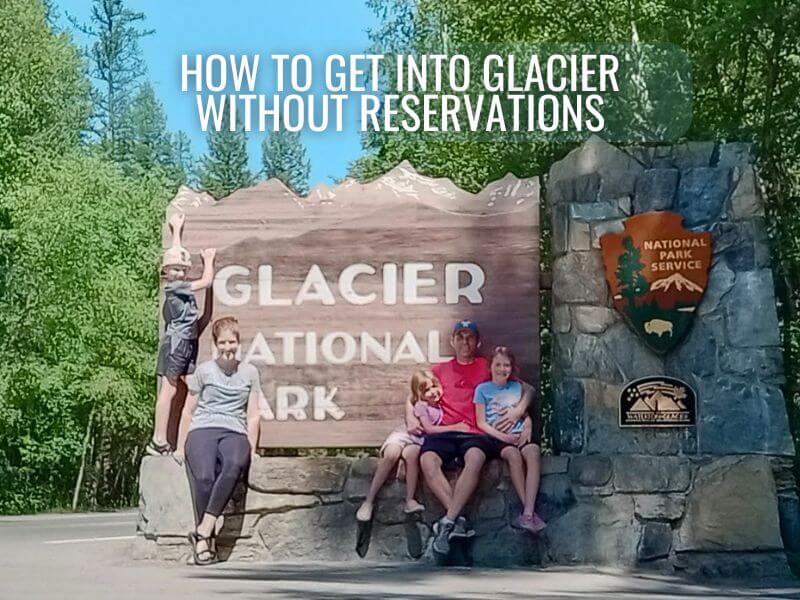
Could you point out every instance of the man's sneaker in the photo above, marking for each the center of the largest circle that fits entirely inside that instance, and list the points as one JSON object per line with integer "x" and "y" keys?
{"x": 462, "y": 530}
{"x": 155, "y": 449}
{"x": 442, "y": 530}
{"x": 533, "y": 523}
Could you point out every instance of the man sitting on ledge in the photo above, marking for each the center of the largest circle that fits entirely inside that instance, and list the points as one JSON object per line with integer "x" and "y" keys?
{"x": 459, "y": 378}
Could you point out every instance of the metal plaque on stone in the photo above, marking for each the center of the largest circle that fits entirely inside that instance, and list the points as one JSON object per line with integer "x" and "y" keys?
{"x": 657, "y": 402}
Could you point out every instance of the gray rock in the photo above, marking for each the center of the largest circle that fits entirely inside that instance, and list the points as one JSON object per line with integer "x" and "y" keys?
{"x": 667, "y": 507}
{"x": 643, "y": 154}
{"x": 720, "y": 282}
{"x": 552, "y": 465}
{"x": 299, "y": 475}
{"x": 567, "y": 423}
{"x": 604, "y": 227}
{"x": 761, "y": 242}
{"x": 580, "y": 237}
{"x": 746, "y": 201}
{"x": 596, "y": 211}
{"x": 316, "y": 533}
{"x": 655, "y": 542}
{"x": 762, "y": 363}
{"x": 503, "y": 546}
{"x": 578, "y": 277}
{"x": 756, "y": 327}
{"x": 593, "y": 319}
{"x": 561, "y": 319}
{"x": 737, "y": 415}
{"x": 593, "y": 156}
{"x": 662, "y": 158}
{"x": 734, "y": 154}
{"x": 698, "y": 352}
{"x": 742, "y": 492}
{"x": 760, "y": 565}
{"x": 600, "y": 531}
{"x": 625, "y": 205}
{"x": 617, "y": 183}
{"x": 651, "y": 474}
{"x": 630, "y": 353}
{"x": 259, "y": 502}
{"x": 590, "y": 470}
{"x": 560, "y": 220}
{"x": 702, "y": 193}
{"x": 655, "y": 190}
{"x": 693, "y": 154}
{"x": 165, "y": 501}
{"x": 789, "y": 515}
{"x": 590, "y": 358}
{"x": 579, "y": 188}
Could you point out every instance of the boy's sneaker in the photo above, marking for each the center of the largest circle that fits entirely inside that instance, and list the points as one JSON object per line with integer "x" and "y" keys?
{"x": 442, "y": 530}
{"x": 462, "y": 530}
{"x": 533, "y": 523}
{"x": 155, "y": 449}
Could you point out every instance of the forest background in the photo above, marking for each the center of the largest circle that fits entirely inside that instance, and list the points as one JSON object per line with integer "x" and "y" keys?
{"x": 87, "y": 169}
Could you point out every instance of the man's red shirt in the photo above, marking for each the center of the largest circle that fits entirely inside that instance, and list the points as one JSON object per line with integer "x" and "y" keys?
{"x": 458, "y": 386}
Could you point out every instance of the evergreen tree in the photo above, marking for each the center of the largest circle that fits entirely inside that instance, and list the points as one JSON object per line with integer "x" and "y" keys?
{"x": 629, "y": 273}
{"x": 115, "y": 62}
{"x": 183, "y": 160}
{"x": 224, "y": 169}
{"x": 284, "y": 156}
{"x": 146, "y": 144}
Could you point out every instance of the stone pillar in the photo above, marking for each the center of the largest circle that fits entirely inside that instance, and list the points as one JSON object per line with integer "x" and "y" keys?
{"x": 677, "y": 497}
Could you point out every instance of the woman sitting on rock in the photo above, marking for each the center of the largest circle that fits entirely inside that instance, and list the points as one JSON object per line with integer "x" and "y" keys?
{"x": 218, "y": 433}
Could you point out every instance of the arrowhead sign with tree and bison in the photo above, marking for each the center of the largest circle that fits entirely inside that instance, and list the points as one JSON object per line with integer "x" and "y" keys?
{"x": 657, "y": 271}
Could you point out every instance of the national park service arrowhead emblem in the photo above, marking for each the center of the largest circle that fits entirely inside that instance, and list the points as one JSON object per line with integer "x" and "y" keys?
{"x": 657, "y": 272}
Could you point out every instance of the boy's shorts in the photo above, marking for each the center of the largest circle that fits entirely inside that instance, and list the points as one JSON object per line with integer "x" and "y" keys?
{"x": 453, "y": 445}
{"x": 401, "y": 437}
{"x": 176, "y": 360}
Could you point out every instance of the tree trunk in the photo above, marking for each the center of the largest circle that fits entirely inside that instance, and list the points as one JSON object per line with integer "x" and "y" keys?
{"x": 79, "y": 480}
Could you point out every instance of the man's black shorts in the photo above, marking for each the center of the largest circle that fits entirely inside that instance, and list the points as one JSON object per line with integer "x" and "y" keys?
{"x": 453, "y": 445}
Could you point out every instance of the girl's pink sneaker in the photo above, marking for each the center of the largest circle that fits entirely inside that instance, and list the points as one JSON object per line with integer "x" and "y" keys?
{"x": 533, "y": 523}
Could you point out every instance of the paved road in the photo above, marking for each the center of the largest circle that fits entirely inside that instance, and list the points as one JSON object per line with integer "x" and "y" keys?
{"x": 87, "y": 556}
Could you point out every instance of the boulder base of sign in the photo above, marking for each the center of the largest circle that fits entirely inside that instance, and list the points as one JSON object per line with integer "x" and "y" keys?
{"x": 715, "y": 495}
{"x": 627, "y": 511}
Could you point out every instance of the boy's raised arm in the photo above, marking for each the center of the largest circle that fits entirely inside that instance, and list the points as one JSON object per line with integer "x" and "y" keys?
{"x": 208, "y": 255}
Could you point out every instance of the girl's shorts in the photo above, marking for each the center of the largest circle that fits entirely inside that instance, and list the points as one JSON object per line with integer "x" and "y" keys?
{"x": 401, "y": 437}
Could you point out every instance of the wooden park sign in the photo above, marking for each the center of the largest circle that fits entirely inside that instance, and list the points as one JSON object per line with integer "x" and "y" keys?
{"x": 657, "y": 272}
{"x": 343, "y": 294}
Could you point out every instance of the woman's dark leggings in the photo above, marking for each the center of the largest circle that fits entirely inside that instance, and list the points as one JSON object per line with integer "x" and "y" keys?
{"x": 216, "y": 459}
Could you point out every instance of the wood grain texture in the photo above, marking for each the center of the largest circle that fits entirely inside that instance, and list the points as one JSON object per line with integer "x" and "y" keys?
{"x": 400, "y": 218}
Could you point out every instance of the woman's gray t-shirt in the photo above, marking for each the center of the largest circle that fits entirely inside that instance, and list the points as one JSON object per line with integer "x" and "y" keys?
{"x": 222, "y": 399}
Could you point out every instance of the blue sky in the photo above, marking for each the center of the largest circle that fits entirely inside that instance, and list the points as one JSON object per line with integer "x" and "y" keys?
{"x": 316, "y": 28}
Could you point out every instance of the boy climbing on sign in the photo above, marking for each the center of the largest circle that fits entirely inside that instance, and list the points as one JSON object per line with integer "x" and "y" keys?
{"x": 177, "y": 353}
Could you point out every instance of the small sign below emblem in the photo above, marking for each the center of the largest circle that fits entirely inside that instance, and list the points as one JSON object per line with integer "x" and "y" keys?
{"x": 657, "y": 402}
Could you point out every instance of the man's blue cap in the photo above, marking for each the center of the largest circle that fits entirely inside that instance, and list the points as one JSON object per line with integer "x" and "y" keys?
{"x": 466, "y": 324}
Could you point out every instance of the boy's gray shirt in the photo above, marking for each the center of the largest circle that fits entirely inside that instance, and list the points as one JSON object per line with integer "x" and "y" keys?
{"x": 180, "y": 312}
{"x": 222, "y": 400}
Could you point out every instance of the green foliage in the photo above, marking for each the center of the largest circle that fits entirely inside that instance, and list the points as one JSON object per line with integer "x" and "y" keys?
{"x": 629, "y": 273}
{"x": 79, "y": 319}
{"x": 284, "y": 156}
{"x": 116, "y": 64}
{"x": 224, "y": 169}
{"x": 146, "y": 146}
{"x": 42, "y": 91}
{"x": 79, "y": 245}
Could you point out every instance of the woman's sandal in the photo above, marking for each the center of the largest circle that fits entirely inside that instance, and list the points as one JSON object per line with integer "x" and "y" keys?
{"x": 210, "y": 555}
